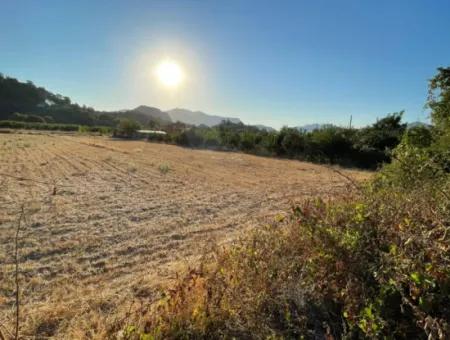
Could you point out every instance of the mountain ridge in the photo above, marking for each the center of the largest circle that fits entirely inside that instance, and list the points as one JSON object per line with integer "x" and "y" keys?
{"x": 198, "y": 117}
{"x": 153, "y": 112}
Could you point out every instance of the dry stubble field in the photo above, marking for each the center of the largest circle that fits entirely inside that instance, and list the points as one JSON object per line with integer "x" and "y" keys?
{"x": 107, "y": 221}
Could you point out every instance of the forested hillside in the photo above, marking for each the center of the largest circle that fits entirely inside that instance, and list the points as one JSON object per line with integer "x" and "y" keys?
{"x": 27, "y": 102}
{"x": 24, "y": 101}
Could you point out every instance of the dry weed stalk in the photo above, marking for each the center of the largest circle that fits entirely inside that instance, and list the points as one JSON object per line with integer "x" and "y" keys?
{"x": 348, "y": 178}
{"x": 2, "y": 337}
{"x": 16, "y": 278}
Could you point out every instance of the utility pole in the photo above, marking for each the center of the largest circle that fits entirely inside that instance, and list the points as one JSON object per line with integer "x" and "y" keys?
{"x": 350, "y": 125}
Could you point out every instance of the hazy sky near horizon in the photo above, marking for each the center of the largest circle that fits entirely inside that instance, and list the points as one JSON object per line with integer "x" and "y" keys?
{"x": 269, "y": 62}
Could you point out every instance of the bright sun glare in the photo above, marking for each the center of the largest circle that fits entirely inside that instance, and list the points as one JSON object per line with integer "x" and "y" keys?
{"x": 169, "y": 73}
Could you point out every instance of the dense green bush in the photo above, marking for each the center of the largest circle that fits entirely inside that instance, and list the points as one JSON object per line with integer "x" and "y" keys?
{"x": 291, "y": 142}
{"x": 103, "y": 130}
{"x": 126, "y": 128}
{"x": 190, "y": 137}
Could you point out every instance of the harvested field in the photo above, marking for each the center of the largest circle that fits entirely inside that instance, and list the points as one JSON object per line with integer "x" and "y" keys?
{"x": 107, "y": 221}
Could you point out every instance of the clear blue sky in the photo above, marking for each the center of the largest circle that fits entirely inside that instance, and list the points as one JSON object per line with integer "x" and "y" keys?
{"x": 275, "y": 62}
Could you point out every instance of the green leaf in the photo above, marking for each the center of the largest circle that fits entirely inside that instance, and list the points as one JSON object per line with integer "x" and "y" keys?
{"x": 416, "y": 277}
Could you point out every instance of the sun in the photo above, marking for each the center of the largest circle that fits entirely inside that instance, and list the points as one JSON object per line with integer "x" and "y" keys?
{"x": 169, "y": 73}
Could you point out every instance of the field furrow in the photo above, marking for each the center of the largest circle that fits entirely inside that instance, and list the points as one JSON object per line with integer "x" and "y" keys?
{"x": 105, "y": 218}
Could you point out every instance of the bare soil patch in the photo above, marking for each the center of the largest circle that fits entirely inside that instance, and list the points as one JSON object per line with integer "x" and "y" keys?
{"x": 110, "y": 220}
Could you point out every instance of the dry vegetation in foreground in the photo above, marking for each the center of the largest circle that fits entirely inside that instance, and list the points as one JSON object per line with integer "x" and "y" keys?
{"x": 361, "y": 267}
{"x": 108, "y": 221}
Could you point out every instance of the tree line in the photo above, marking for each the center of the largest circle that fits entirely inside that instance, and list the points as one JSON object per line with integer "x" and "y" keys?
{"x": 366, "y": 147}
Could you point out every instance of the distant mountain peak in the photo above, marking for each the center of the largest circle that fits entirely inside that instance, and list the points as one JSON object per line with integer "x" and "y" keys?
{"x": 153, "y": 112}
{"x": 312, "y": 127}
{"x": 417, "y": 124}
{"x": 265, "y": 128}
{"x": 198, "y": 117}
{"x": 146, "y": 108}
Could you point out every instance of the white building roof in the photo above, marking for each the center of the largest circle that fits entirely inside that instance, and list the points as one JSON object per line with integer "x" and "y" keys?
{"x": 156, "y": 132}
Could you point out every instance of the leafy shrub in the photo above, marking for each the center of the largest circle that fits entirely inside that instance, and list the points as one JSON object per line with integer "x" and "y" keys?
{"x": 292, "y": 142}
{"x": 126, "y": 128}
{"x": 190, "y": 137}
{"x": 103, "y": 130}
{"x": 211, "y": 139}
{"x": 419, "y": 136}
